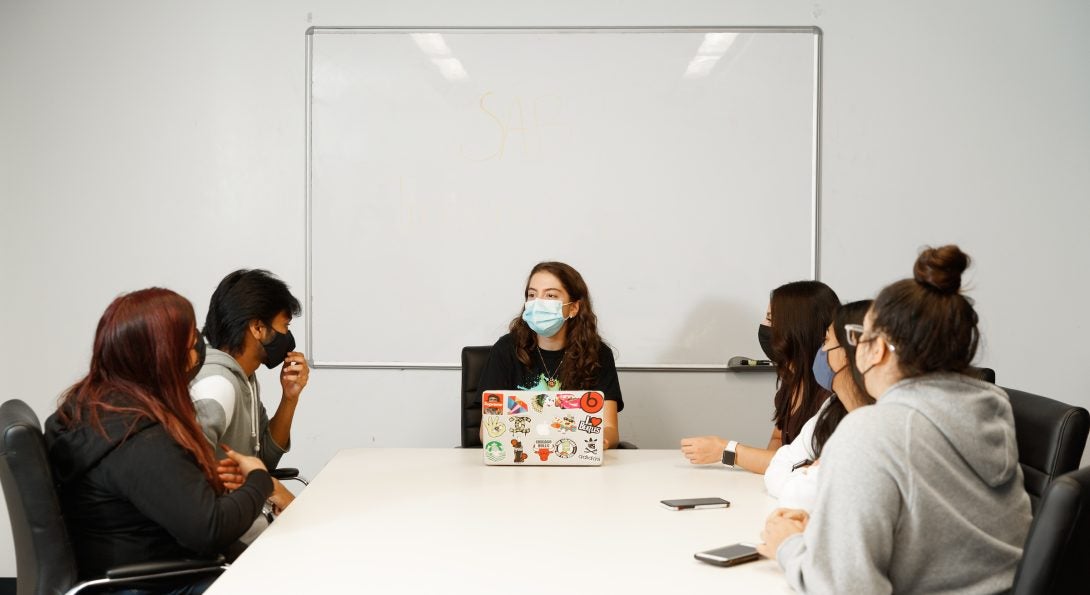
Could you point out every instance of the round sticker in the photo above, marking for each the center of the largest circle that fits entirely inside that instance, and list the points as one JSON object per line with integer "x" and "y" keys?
{"x": 494, "y": 451}
{"x": 591, "y": 402}
{"x": 564, "y": 448}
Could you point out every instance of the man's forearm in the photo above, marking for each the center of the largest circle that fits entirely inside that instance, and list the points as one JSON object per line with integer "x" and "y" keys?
{"x": 280, "y": 424}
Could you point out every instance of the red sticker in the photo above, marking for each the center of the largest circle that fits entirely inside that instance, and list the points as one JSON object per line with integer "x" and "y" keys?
{"x": 492, "y": 404}
{"x": 591, "y": 402}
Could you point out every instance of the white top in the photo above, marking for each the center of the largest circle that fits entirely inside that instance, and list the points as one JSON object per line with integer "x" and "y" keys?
{"x": 800, "y": 488}
{"x": 787, "y": 456}
{"x": 440, "y": 521}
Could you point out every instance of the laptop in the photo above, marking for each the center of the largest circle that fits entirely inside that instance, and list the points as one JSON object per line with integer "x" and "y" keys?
{"x": 526, "y": 427}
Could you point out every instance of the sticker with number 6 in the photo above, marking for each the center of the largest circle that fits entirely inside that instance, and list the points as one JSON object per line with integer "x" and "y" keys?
{"x": 591, "y": 402}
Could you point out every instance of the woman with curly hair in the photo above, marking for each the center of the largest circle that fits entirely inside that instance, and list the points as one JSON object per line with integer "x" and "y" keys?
{"x": 554, "y": 345}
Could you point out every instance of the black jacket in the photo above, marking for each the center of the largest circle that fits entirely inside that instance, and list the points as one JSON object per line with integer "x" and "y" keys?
{"x": 138, "y": 496}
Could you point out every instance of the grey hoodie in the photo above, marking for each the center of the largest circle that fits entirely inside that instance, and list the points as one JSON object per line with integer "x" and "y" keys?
{"x": 921, "y": 493}
{"x": 230, "y": 411}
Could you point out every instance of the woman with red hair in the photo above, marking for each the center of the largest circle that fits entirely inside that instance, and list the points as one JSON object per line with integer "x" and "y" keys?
{"x": 137, "y": 480}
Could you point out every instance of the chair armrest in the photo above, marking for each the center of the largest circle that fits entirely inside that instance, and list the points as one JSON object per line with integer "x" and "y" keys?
{"x": 161, "y": 567}
{"x": 284, "y": 473}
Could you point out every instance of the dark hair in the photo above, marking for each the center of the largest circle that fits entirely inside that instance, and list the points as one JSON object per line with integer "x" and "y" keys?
{"x": 139, "y": 367}
{"x": 931, "y": 325}
{"x": 801, "y": 311}
{"x": 831, "y": 416}
{"x": 242, "y": 296}
{"x": 583, "y": 341}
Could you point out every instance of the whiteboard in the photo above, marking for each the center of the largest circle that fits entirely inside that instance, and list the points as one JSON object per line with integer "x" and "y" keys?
{"x": 676, "y": 169}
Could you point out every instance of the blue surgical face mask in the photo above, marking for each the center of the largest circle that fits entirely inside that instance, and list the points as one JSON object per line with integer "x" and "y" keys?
{"x": 545, "y": 317}
{"x": 823, "y": 372}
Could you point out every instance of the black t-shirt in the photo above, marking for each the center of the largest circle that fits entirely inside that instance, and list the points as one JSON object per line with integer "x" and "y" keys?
{"x": 505, "y": 372}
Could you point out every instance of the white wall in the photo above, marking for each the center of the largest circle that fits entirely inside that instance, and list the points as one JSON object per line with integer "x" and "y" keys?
{"x": 162, "y": 143}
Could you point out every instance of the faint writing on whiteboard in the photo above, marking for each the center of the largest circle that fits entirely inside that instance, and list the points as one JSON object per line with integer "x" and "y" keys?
{"x": 516, "y": 127}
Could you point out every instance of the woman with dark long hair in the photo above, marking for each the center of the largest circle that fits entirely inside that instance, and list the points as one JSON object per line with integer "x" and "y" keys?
{"x": 792, "y": 473}
{"x": 791, "y": 334}
{"x": 137, "y": 479}
{"x": 921, "y": 492}
{"x": 554, "y": 344}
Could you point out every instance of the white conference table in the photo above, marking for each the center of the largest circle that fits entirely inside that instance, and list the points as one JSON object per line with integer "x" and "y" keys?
{"x": 440, "y": 521}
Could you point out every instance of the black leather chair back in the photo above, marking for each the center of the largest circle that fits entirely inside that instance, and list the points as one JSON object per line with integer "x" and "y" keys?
{"x": 45, "y": 561}
{"x": 1057, "y": 551}
{"x": 473, "y": 361}
{"x": 985, "y": 374}
{"x": 1051, "y": 436}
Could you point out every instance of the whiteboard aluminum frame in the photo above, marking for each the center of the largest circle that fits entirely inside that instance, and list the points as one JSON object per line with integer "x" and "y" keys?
{"x": 815, "y": 237}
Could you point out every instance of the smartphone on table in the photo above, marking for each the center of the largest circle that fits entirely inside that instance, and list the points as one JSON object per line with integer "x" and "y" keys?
{"x": 695, "y": 503}
{"x": 731, "y": 555}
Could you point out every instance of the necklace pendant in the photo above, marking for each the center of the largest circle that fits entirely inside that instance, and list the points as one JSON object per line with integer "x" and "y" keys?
{"x": 551, "y": 382}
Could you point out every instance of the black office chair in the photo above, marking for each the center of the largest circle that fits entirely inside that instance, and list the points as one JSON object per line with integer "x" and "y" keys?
{"x": 473, "y": 361}
{"x": 1051, "y": 436}
{"x": 44, "y": 559}
{"x": 1057, "y": 549}
{"x": 985, "y": 374}
{"x": 286, "y": 473}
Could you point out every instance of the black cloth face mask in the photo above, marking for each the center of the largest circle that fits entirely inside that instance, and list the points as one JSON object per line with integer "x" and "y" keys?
{"x": 202, "y": 350}
{"x": 277, "y": 348}
{"x": 764, "y": 337}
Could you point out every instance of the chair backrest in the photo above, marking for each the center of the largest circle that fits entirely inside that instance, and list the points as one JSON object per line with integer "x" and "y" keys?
{"x": 1051, "y": 436}
{"x": 985, "y": 374}
{"x": 45, "y": 561}
{"x": 1058, "y": 546}
{"x": 473, "y": 361}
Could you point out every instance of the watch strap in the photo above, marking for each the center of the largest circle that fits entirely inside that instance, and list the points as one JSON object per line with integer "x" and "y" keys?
{"x": 730, "y": 453}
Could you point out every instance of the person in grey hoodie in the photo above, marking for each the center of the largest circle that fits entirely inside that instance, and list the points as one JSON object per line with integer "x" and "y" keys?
{"x": 921, "y": 493}
{"x": 246, "y": 326}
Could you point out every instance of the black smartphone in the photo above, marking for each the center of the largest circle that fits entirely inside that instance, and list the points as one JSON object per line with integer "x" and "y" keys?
{"x": 695, "y": 503}
{"x": 731, "y": 555}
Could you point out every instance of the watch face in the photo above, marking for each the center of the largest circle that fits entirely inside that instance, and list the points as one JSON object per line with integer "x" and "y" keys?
{"x": 728, "y": 458}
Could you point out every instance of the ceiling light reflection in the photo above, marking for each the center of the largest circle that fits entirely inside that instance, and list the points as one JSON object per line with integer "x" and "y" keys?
{"x": 710, "y": 51}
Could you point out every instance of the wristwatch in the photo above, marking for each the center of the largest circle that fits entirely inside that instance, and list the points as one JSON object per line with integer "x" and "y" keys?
{"x": 270, "y": 511}
{"x": 729, "y": 453}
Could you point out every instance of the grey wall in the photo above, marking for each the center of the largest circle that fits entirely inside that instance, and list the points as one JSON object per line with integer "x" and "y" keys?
{"x": 162, "y": 143}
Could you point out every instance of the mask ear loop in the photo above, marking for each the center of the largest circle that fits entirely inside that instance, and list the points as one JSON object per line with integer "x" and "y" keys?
{"x": 876, "y": 337}
{"x": 827, "y": 352}
{"x": 267, "y": 328}
{"x": 568, "y": 304}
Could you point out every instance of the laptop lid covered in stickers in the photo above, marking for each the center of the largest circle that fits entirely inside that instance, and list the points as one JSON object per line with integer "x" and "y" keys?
{"x": 523, "y": 427}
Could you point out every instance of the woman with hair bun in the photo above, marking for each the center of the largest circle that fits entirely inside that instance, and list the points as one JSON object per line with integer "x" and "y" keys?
{"x": 922, "y": 492}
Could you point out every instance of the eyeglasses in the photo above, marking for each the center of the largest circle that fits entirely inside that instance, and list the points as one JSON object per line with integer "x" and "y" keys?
{"x": 855, "y": 333}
